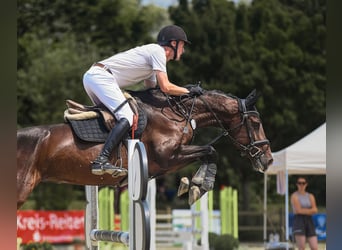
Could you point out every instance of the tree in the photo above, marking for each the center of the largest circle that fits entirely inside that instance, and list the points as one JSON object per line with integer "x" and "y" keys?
{"x": 57, "y": 42}
{"x": 276, "y": 47}
{"x": 53, "y": 75}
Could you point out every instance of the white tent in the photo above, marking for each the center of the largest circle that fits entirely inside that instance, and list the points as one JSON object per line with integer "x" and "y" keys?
{"x": 306, "y": 156}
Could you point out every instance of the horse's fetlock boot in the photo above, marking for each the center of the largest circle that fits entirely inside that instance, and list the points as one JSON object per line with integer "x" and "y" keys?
{"x": 212, "y": 168}
{"x": 199, "y": 175}
{"x": 208, "y": 184}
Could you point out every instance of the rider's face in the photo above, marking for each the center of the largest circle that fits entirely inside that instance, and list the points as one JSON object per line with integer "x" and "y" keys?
{"x": 180, "y": 49}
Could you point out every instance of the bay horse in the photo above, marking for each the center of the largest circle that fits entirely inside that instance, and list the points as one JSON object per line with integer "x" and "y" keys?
{"x": 53, "y": 153}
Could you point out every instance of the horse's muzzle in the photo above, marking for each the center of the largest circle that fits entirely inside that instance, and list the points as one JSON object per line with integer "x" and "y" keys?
{"x": 261, "y": 163}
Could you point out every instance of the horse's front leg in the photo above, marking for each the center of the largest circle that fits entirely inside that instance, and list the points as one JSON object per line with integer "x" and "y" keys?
{"x": 187, "y": 154}
{"x": 204, "y": 178}
{"x": 202, "y": 182}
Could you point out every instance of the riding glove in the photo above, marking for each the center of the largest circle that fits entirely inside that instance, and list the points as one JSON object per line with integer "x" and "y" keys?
{"x": 195, "y": 91}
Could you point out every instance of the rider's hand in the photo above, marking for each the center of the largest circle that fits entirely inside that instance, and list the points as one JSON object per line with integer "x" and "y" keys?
{"x": 195, "y": 91}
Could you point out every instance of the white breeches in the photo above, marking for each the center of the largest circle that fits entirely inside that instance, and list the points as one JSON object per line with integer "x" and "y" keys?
{"x": 101, "y": 87}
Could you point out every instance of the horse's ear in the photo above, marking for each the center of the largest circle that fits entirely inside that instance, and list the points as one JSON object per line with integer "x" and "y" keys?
{"x": 252, "y": 98}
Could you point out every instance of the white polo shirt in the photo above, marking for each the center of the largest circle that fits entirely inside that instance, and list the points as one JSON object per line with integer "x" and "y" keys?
{"x": 137, "y": 64}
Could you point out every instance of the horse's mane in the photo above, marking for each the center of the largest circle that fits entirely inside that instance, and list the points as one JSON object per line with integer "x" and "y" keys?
{"x": 221, "y": 93}
{"x": 152, "y": 96}
{"x": 155, "y": 97}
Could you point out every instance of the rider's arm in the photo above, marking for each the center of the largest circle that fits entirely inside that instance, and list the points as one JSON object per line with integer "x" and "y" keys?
{"x": 167, "y": 87}
{"x": 313, "y": 204}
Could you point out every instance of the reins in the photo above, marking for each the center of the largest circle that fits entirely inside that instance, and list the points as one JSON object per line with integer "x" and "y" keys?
{"x": 251, "y": 149}
{"x": 182, "y": 109}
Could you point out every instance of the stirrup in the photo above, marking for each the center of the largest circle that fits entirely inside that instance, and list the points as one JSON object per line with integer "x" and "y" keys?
{"x": 102, "y": 166}
{"x": 119, "y": 171}
{"x": 109, "y": 169}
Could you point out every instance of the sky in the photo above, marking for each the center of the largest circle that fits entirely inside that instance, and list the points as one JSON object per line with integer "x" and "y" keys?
{"x": 167, "y": 3}
{"x": 161, "y": 3}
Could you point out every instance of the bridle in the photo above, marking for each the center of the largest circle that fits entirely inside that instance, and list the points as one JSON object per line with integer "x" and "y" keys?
{"x": 251, "y": 150}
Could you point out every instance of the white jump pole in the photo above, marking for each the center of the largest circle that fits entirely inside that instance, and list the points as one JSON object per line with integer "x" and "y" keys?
{"x": 139, "y": 235}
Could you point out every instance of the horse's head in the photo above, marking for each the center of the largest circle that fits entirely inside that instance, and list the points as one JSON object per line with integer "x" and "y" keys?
{"x": 247, "y": 133}
{"x": 238, "y": 118}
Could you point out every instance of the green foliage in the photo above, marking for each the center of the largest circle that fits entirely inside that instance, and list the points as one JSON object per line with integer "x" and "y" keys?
{"x": 51, "y": 196}
{"x": 38, "y": 246}
{"x": 52, "y": 75}
{"x": 58, "y": 42}
{"x": 222, "y": 242}
{"x": 212, "y": 237}
{"x": 277, "y": 47}
{"x": 110, "y": 25}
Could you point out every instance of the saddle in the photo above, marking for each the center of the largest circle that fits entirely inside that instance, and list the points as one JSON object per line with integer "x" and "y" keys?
{"x": 93, "y": 123}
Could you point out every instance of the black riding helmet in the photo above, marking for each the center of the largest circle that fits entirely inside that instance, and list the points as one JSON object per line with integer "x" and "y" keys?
{"x": 172, "y": 33}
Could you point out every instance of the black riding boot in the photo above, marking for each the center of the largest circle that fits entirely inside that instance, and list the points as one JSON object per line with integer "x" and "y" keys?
{"x": 101, "y": 164}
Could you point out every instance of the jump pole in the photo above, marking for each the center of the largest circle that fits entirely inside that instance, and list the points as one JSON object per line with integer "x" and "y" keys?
{"x": 139, "y": 235}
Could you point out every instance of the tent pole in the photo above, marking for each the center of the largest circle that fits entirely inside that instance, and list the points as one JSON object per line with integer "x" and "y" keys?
{"x": 265, "y": 208}
{"x": 287, "y": 206}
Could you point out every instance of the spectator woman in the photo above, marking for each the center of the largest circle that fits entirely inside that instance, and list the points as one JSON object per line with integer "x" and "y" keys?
{"x": 304, "y": 206}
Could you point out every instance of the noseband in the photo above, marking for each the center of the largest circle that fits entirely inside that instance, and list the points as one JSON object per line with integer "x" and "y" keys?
{"x": 252, "y": 149}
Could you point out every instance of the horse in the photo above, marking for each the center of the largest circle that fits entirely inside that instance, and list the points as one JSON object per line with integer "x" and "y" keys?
{"x": 54, "y": 153}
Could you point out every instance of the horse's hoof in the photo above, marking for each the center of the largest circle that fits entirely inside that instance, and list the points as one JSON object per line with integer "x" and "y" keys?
{"x": 194, "y": 194}
{"x": 183, "y": 186}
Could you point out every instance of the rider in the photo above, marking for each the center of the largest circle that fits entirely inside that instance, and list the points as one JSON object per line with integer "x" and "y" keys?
{"x": 104, "y": 79}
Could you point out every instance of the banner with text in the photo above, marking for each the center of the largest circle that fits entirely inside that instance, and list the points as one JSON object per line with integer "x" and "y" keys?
{"x": 50, "y": 226}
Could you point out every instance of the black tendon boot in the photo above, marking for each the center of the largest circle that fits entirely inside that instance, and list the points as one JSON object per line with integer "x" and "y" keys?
{"x": 101, "y": 164}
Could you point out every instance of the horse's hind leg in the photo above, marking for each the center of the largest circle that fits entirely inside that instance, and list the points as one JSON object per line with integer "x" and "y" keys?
{"x": 25, "y": 187}
{"x": 22, "y": 194}
{"x": 28, "y": 157}
{"x": 28, "y": 178}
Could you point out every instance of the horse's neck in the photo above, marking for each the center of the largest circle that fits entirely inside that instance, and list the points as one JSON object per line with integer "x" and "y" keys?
{"x": 214, "y": 109}
{"x": 208, "y": 110}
